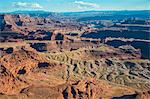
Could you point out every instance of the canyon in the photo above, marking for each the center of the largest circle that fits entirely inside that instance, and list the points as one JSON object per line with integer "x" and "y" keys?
{"x": 54, "y": 56}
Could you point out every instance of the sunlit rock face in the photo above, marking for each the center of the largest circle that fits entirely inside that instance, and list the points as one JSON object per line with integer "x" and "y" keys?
{"x": 59, "y": 56}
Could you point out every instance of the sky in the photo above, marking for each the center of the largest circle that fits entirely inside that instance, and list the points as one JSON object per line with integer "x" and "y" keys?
{"x": 73, "y": 5}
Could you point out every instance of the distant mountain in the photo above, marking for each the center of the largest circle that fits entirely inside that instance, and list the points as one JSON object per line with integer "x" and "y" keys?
{"x": 29, "y": 12}
{"x": 38, "y": 13}
{"x": 90, "y": 15}
{"x": 125, "y": 12}
{"x": 108, "y": 15}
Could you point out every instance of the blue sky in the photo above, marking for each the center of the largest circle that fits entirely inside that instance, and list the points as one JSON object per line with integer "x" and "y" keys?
{"x": 73, "y": 5}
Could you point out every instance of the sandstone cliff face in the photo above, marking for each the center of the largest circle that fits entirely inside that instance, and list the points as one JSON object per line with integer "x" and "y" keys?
{"x": 7, "y": 23}
{"x": 24, "y": 24}
{"x": 23, "y": 27}
{"x": 9, "y": 84}
{"x": 80, "y": 73}
{"x": 12, "y": 65}
{"x": 26, "y": 60}
{"x": 39, "y": 59}
{"x": 138, "y": 95}
{"x": 143, "y": 95}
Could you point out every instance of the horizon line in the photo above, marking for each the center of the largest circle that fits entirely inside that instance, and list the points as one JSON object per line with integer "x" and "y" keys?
{"x": 75, "y": 11}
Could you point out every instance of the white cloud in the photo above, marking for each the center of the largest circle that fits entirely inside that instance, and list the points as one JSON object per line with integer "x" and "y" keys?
{"x": 82, "y": 4}
{"x": 27, "y": 5}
